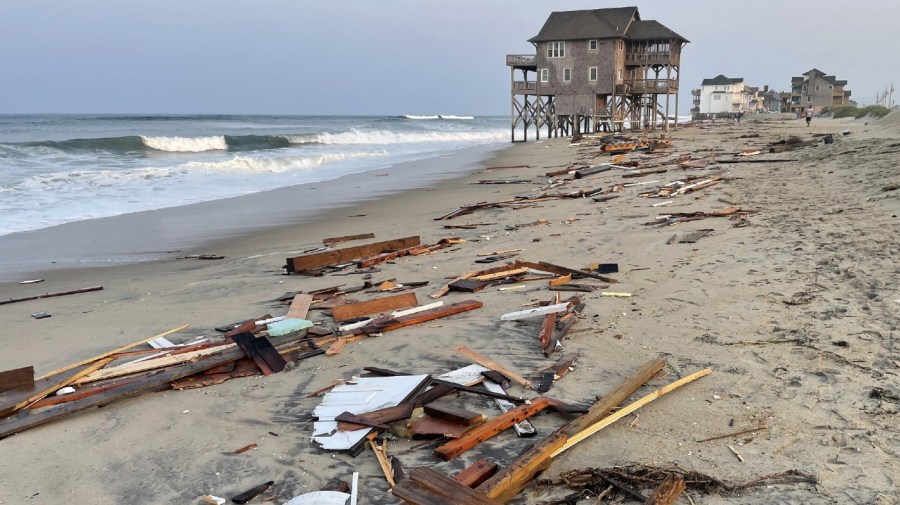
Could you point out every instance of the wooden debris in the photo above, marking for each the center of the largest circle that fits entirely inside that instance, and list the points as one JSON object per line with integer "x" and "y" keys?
{"x": 599, "y": 425}
{"x": 261, "y": 351}
{"x": 321, "y": 259}
{"x": 561, "y": 270}
{"x": 374, "y": 306}
{"x": 383, "y": 461}
{"x": 667, "y": 492}
{"x": 455, "y": 414}
{"x": 299, "y": 306}
{"x": 445, "y": 289}
{"x": 476, "y": 473}
{"x": 488, "y": 363}
{"x": 18, "y": 378}
{"x": 428, "y": 487}
{"x": 523, "y": 428}
{"x": 537, "y": 311}
{"x": 489, "y": 429}
{"x": 347, "y": 238}
{"x": 51, "y": 295}
{"x": 468, "y": 285}
{"x": 245, "y": 448}
{"x": 428, "y": 425}
{"x": 250, "y": 494}
{"x": 694, "y": 236}
{"x": 420, "y": 317}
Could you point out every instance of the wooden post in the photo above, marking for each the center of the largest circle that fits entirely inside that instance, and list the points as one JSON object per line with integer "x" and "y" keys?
{"x": 667, "y": 492}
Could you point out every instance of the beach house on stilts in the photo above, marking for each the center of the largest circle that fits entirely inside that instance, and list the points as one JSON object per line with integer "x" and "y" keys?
{"x": 596, "y": 70}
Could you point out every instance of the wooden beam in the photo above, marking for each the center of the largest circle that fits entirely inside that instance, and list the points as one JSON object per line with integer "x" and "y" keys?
{"x": 375, "y": 306}
{"x": 506, "y": 484}
{"x": 347, "y": 238}
{"x": 455, "y": 414}
{"x": 489, "y": 429}
{"x": 447, "y": 487}
{"x": 261, "y": 351}
{"x": 326, "y": 258}
{"x": 594, "y": 428}
{"x": 52, "y": 295}
{"x": 446, "y": 288}
{"x": 476, "y": 473}
{"x": 421, "y": 317}
{"x": 618, "y": 395}
{"x": 489, "y": 363}
{"x": 71, "y": 380}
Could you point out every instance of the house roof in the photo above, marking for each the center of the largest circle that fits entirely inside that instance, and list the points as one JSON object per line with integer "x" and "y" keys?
{"x": 721, "y": 79}
{"x": 814, "y": 71}
{"x": 587, "y": 24}
{"x": 651, "y": 30}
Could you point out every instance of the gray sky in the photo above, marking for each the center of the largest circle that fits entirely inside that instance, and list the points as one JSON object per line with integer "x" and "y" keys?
{"x": 391, "y": 56}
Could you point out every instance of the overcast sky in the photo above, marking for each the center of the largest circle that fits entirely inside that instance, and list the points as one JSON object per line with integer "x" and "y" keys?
{"x": 391, "y": 56}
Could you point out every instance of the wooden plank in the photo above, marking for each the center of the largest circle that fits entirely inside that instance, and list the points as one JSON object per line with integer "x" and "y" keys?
{"x": 52, "y": 295}
{"x": 624, "y": 411}
{"x": 447, "y": 487}
{"x": 250, "y": 494}
{"x": 537, "y": 311}
{"x": 512, "y": 479}
{"x": 543, "y": 266}
{"x": 421, "y": 317}
{"x": 545, "y": 335}
{"x": 347, "y": 238}
{"x": 507, "y": 483}
{"x": 434, "y": 426}
{"x": 326, "y": 258}
{"x": 299, "y": 306}
{"x": 458, "y": 387}
{"x": 694, "y": 236}
{"x": 413, "y": 493}
{"x": 455, "y": 414}
{"x": 446, "y": 288}
{"x": 261, "y": 351}
{"x": 559, "y": 281}
{"x": 383, "y": 461}
{"x": 148, "y": 382}
{"x": 489, "y": 429}
{"x": 508, "y": 272}
{"x": 468, "y": 285}
{"x": 110, "y": 353}
{"x": 17, "y": 378}
{"x": 56, "y": 387}
{"x": 476, "y": 473}
{"x": 489, "y": 363}
{"x": 375, "y": 306}
{"x": 152, "y": 364}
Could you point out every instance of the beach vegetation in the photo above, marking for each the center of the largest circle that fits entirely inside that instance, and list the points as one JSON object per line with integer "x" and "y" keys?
{"x": 842, "y": 111}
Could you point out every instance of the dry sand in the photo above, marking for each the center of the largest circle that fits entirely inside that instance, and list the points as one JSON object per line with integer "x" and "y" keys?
{"x": 820, "y": 371}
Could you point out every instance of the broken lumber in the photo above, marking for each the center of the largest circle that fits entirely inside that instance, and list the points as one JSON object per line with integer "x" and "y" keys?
{"x": 299, "y": 306}
{"x": 428, "y": 487}
{"x": 667, "y": 492}
{"x": 375, "y": 306}
{"x": 420, "y": 317}
{"x": 561, "y": 270}
{"x": 455, "y": 414}
{"x": 490, "y": 428}
{"x": 18, "y": 378}
{"x": 537, "y": 311}
{"x": 512, "y": 479}
{"x": 624, "y": 411}
{"x": 476, "y": 473}
{"x": 347, "y": 238}
{"x": 523, "y": 428}
{"x": 110, "y": 353}
{"x": 325, "y": 258}
{"x": 446, "y": 288}
{"x": 489, "y": 363}
{"x": 51, "y": 295}
{"x": 261, "y": 351}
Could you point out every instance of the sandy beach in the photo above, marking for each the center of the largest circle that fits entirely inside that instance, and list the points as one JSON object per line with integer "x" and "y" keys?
{"x": 793, "y": 305}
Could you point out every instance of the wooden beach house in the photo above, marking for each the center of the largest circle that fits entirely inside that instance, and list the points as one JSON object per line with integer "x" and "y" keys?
{"x": 817, "y": 89}
{"x": 593, "y": 70}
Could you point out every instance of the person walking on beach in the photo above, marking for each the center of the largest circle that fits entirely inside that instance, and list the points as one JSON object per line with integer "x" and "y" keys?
{"x": 809, "y": 114}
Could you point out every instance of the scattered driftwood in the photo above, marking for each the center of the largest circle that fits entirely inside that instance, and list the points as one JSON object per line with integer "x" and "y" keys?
{"x": 322, "y": 259}
{"x": 643, "y": 476}
{"x": 51, "y": 295}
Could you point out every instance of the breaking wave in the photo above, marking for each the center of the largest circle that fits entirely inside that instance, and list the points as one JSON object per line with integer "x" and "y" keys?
{"x": 186, "y": 144}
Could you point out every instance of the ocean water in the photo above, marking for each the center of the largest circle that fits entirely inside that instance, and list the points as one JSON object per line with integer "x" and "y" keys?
{"x": 56, "y": 169}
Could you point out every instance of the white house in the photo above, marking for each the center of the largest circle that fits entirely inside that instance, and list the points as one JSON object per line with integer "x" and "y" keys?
{"x": 723, "y": 94}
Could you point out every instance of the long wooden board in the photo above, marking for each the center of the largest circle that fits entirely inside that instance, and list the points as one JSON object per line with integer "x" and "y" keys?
{"x": 375, "y": 306}
{"x": 489, "y": 429}
{"x": 493, "y": 365}
{"x": 18, "y": 378}
{"x": 299, "y": 306}
{"x": 150, "y": 381}
{"x": 421, "y": 317}
{"x": 543, "y": 266}
{"x": 52, "y": 295}
{"x": 347, "y": 238}
{"x": 325, "y": 258}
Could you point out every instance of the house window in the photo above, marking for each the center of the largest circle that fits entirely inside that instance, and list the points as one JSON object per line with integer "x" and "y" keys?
{"x": 592, "y": 45}
{"x": 567, "y": 74}
{"x": 804, "y": 87}
{"x": 717, "y": 97}
{"x": 809, "y": 99}
{"x": 592, "y": 73}
{"x": 830, "y": 87}
{"x": 545, "y": 75}
{"x": 619, "y": 74}
{"x": 817, "y": 87}
{"x": 556, "y": 50}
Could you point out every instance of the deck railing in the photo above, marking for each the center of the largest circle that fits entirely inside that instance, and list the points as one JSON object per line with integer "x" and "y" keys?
{"x": 640, "y": 58}
{"x": 650, "y": 85}
{"x": 524, "y": 87}
{"x": 516, "y": 60}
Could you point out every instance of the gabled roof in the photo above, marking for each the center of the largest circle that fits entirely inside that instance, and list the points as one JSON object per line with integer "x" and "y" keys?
{"x": 814, "y": 71}
{"x": 587, "y": 24}
{"x": 721, "y": 79}
{"x": 651, "y": 30}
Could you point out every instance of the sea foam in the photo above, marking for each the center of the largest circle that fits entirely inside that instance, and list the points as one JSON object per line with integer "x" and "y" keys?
{"x": 186, "y": 144}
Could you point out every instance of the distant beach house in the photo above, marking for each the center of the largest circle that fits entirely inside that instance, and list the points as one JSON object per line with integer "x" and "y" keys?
{"x": 724, "y": 95}
{"x": 596, "y": 69}
{"x": 771, "y": 99}
{"x": 817, "y": 89}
